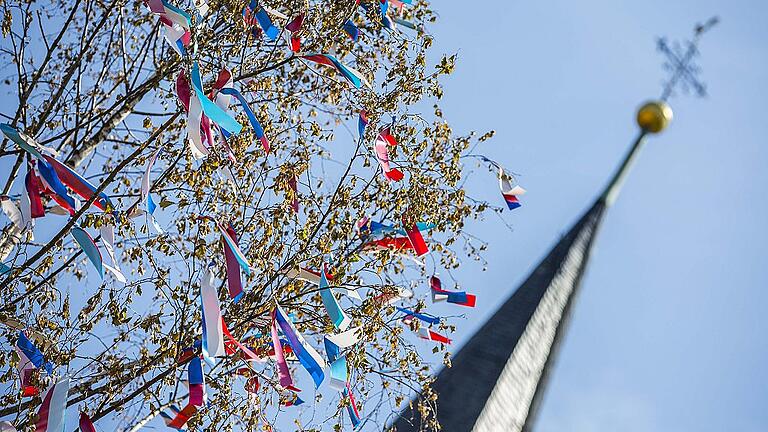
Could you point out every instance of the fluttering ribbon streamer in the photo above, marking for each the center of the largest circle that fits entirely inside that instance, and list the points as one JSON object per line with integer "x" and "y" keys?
{"x": 194, "y": 110}
{"x": 283, "y": 373}
{"x": 455, "y": 297}
{"x": 168, "y": 417}
{"x": 196, "y": 393}
{"x": 32, "y": 189}
{"x": 428, "y": 334}
{"x": 339, "y": 319}
{"x": 86, "y": 243}
{"x": 253, "y": 12}
{"x": 417, "y": 240}
{"x": 257, "y": 129}
{"x": 354, "y": 416}
{"x": 353, "y": 76}
{"x": 51, "y": 417}
{"x": 86, "y": 425}
{"x": 383, "y": 140}
{"x": 56, "y": 175}
{"x": 233, "y": 262}
{"x": 176, "y": 21}
{"x": 307, "y": 356}
{"x": 107, "y": 232}
{"x": 362, "y": 123}
{"x": 313, "y": 277}
{"x": 294, "y": 27}
{"x": 146, "y": 196}
{"x": 57, "y": 189}
{"x": 366, "y": 227}
{"x": 24, "y": 141}
{"x": 78, "y": 184}
{"x": 13, "y": 212}
{"x": 230, "y": 246}
{"x": 346, "y": 338}
{"x": 210, "y": 109}
{"x": 510, "y": 190}
{"x": 338, "y": 366}
{"x": 248, "y": 354}
{"x": 427, "y": 318}
{"x": 351, "y": 30}
{"x": 30, "y": 358}
{"x": 213, "y": 332}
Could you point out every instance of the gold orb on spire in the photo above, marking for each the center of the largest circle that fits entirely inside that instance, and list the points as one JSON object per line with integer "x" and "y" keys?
{"x": 654, "y": 116}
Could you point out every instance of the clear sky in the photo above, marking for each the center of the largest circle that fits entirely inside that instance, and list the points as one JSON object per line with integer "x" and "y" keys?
{"x": 668, "y": 333}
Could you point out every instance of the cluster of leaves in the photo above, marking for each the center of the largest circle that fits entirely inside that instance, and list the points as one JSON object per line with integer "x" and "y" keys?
{"x": 94, "y": 80}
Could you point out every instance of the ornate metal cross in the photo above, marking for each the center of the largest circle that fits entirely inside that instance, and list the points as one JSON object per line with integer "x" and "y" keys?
{"x": 680, "y": 62}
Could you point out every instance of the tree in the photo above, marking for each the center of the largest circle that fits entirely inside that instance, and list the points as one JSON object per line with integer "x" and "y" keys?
{"x": 97, "y": 83}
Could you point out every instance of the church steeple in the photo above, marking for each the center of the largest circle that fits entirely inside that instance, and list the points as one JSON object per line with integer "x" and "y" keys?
{"x": 498, "y": 377}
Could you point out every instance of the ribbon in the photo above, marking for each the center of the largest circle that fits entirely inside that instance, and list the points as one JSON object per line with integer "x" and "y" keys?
{"x": 339, "y": 319}
{"x": 294, "y": 27}
{"x": 86, "y": 243}
{"x": 354, "y": 416}
{"x": 455, "y": 297}
{"x": 351, "y": 30}
{"x": 345, "y": 339}
{"x": 13, "y": 213}
{"x": 231, "y": 244}
{"x": 108, "y": 239}
{"x": 33, "y": 354}
{"x": 252, "y": 12}
{"x": 283, "y": 373}
{"x": 313, "y": 277}
{"x": 362, "y": 122}
{"x": 417, "y": 240}
{"x": 234, "y": 283}
{"x": 24, "y": 141}
{"x": 213, "y": 332}
{"x": 507, "y": 183}
{"x": 257, "y": 129}
{"x": 53, "y": 183}
{"x": 32, "y": 189}
{"x": 146, "y": 196}
{"x": 353, "y": 76}
{"x": 210, "y": 109}
{"x": 247, "y": 352}
{"x": 427, "y": 334}
{"x": 307, "y": 356}
{"x": 176, "y": 21}
{"x": 52, "y": 413}
{"x": 509, "y": 190}
{"x": 366, "y": 227}
{"x": 196, "y": 393}
{"x": 194, "y": 116}
{"x": 78, "y": 184}
{"x": 86, "y": 425}
{"x": 382, "y": 154}
{"x": 409, "y": 315}
{"x": 338, "y": 369}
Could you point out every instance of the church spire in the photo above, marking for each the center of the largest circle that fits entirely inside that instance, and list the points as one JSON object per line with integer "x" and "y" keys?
{"x": 497, "y": 379}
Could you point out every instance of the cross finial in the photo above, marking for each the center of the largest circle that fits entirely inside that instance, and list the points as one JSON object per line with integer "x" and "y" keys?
{"x": 680, "y": 62}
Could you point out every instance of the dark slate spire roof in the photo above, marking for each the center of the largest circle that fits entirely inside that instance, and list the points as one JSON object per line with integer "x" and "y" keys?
{"x": 497, "y": 379}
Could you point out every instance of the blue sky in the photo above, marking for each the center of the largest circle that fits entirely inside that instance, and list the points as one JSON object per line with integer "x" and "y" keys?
{"x": 669, "y": 331}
